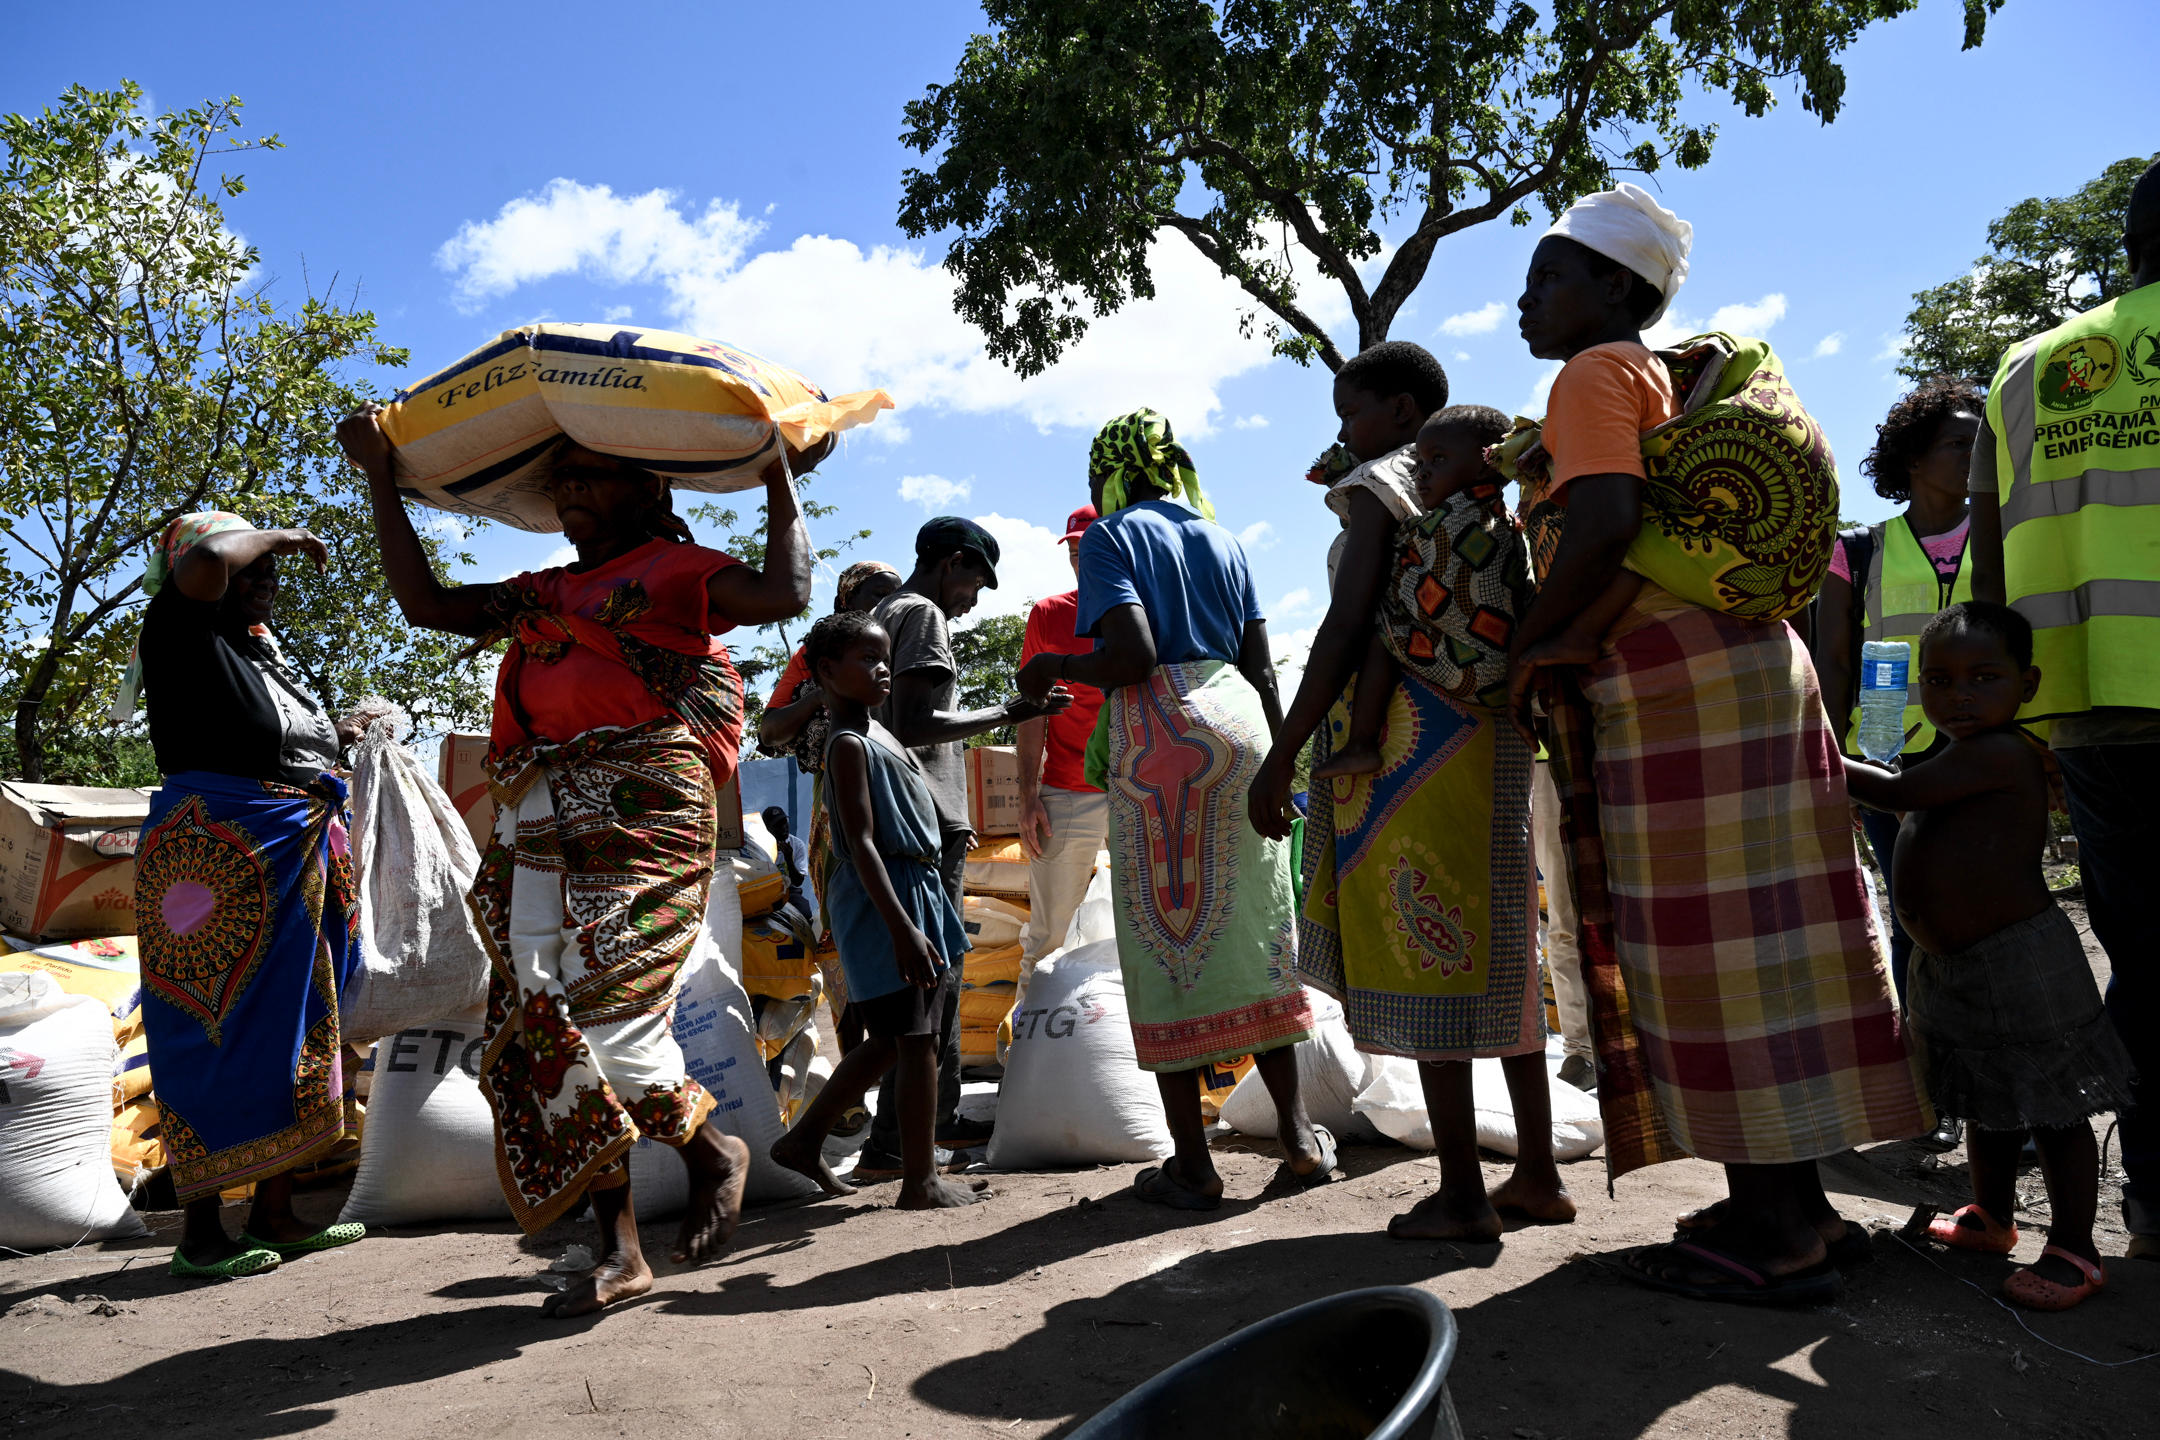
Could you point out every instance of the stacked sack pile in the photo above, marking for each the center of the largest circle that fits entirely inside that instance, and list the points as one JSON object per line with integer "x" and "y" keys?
{"x": 784, "y": 969}
{"x": 996, "y": 909}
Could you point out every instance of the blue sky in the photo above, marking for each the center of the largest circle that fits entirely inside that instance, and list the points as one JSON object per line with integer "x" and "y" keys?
{"x": 735, "y": 172}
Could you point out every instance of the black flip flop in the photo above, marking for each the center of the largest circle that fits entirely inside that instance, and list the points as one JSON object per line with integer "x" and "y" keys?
{"x": 1324, "y": 1172}
{"x": 1853, "y": 1247}
{"x": 1156, "y": 1186}
{"x": 1815, "y": 1285}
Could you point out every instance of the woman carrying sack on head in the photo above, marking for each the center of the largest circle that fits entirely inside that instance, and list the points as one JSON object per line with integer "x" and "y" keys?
{"x": 1206, "y": 925}
{"x": 244, "y": 897}
{"x": 617, "y": 717}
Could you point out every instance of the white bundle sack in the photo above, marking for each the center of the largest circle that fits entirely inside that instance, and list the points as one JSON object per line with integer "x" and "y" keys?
{"x": 719, "y": 1041}
{"x": 427, "y": 1152}
{"x": 420, "y": 956}
{"x": 1074, "y": 1092}
{"x": 991, "y": 923}
{"x": 1331, "y": 1073}
{"x": 56, "y": 1115}
{"x": 1394, "y": 1100}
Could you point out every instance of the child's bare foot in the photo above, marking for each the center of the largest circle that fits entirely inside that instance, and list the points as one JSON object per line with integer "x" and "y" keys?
{"x": 938, "y": 1193}
{"x": 613, "y": 1279}
{"x": 1355, "y": 758}
{"x": 719, "y": 1168}
{"x": 1544, "y": 1202}
{"x": 800, "y": 1154}
{"x": 1437, "y": 1217}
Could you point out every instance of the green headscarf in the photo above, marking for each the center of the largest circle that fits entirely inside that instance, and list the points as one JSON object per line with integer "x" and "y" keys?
{"x": 1140, "y": 448}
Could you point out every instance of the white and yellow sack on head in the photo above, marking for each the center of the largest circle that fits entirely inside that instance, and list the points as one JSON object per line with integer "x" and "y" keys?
{"x": 703, "y": 414}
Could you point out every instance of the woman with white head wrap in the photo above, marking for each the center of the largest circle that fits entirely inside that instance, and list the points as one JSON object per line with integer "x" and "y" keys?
{"x": 1743, "y": 1011}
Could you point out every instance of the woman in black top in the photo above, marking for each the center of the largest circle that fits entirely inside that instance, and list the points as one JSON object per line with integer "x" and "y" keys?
{"x": 243, "y": 896}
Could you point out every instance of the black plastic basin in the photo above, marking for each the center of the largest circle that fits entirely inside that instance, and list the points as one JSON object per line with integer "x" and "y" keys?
{"x": 1362, "y": 1365}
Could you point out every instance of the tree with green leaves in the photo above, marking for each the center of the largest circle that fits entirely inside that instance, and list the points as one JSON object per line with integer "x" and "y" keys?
{"x": 988, "y": 656}
{"x": 2047, "y": 260}
{"x": 146, "y": 371}
{"x": 767, "y": 653}
{"x": 1330, "y": 142}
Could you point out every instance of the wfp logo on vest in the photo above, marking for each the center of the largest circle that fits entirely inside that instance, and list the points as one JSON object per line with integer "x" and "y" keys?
{"x": 2077, "y": 373}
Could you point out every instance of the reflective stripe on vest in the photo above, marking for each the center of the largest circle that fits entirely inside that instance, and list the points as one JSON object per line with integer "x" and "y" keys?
{"x": 2076, "y": 416}
{"x": 1902, "y": 580}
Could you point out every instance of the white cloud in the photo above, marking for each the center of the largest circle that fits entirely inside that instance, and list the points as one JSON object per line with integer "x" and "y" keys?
{"x": 1893, "y": 348}
{"x": 1257, "y": 536}
{"x": 614, "y": 313}
{"x": 560, "y": 555}
{"x": 1481, "y": 321}
{"x": 569, "y": 228}
{"x": 1032, "y": 565}
{"x": 1250, "y": 422}
{"x": 934, "y": 493}
{"x": 1829, "y": 345}
{"x": 1291, "y": 652}
{"x": 852, "y": 318}
{"x": 1542, "y": 390}
{"x": 1753, "y": 318}
{"x": 1462, "y": 354}
{"x": 1296, "y": 604}
{"x": 450, "y": 528}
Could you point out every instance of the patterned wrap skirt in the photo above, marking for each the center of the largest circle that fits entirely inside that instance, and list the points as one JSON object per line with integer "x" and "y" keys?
{"x": 247, "y": 926}
{"x": 1756, "y": 977}
{"x": 1206, "y": 923}
{"x": 589, "y": 899}
{"x": 1420, "y": 910}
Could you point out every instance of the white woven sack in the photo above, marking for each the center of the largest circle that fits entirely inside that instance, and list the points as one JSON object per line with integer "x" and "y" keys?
{"x": 1074, "y": 1092}
{"x": 1332, "y": 1072}
{"x": 1394, "y": 1100}
{"x": 420, "y": 956}
{"x": 719, "y": 1041}
{"x": 56, "y": 1112}
{"x": 427, "y": 1152}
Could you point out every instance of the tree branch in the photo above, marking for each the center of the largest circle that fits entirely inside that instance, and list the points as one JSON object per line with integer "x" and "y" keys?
{"x": 1226, "y": 259}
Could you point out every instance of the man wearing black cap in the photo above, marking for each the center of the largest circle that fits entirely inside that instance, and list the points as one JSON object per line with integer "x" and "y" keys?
{"x": 955, "y": 561}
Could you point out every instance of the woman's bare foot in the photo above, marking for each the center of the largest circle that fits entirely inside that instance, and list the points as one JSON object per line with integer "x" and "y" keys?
{"x": 797, "y": 1153}
{"x": 615, "y": 1278}
{"x": 1437, "y": 1217}
{"x": 938, "y": 1193}
{"x": 1355, "y": 758}
{"x": 719, "y": 1168}
{"x": 1544, "y": 1202}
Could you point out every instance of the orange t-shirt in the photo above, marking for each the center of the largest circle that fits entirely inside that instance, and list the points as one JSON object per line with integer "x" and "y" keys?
{"x": 1602, "y": 402}
{"x": 792, "y": 676}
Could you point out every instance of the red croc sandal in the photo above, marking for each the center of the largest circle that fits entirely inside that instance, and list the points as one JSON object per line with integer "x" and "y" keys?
{"x": 2037, "y": 1292}
{"x": 1985, "y": 1238}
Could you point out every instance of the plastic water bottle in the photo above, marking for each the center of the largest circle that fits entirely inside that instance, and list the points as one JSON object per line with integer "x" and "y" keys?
{"x": 1884, "y": 665}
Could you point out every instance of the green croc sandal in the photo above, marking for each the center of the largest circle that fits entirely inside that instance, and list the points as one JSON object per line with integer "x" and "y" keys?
{"x": 247, "y": 1262}
{"x": 326, "y": 1239}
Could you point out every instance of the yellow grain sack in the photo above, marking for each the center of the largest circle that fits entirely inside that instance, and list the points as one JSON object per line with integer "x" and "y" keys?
{"x": 105, "y": 970}
{"x": 983, "y": 1006}
{"x": 775, "y": 961}
{"x": 703, "y": 414}
{"x": 1218, "y": 1080}
{"x": 992, "y": 967}
{"x": 758, "y": 881}
{"x": 137, "y": 1145}
{"x": 993, "y": 923}
{"x": 999, "y": 868}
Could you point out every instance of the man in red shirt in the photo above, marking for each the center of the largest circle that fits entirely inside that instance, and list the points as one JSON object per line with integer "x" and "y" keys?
{"x": 1064, "y": 821}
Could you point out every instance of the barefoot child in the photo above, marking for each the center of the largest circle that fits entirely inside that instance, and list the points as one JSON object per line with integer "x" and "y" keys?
{"x": 2017, "y": 1041}
{"x": 896, "y": 927}
{"x": 1457, "y": 490}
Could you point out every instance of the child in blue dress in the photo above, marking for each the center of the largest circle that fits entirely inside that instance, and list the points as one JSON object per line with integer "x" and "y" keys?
{"x": 900, "y": 936}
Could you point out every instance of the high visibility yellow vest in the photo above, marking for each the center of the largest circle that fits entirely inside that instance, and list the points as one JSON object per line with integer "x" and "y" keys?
{"x": 1903, "y": 593}
{"x": 2076, "y": 417}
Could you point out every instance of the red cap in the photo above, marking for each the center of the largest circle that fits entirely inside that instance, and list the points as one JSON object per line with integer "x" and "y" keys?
{"x": 1076, "y": 523}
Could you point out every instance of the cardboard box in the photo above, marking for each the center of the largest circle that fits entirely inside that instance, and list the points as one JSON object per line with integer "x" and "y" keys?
{"x": 993, "y": 790}
{"x": 461, "y": 770}
{"x": 67, "y": 859}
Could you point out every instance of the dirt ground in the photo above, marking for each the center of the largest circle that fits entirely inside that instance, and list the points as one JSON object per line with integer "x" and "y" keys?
{"x": 1025, "y": 1316}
